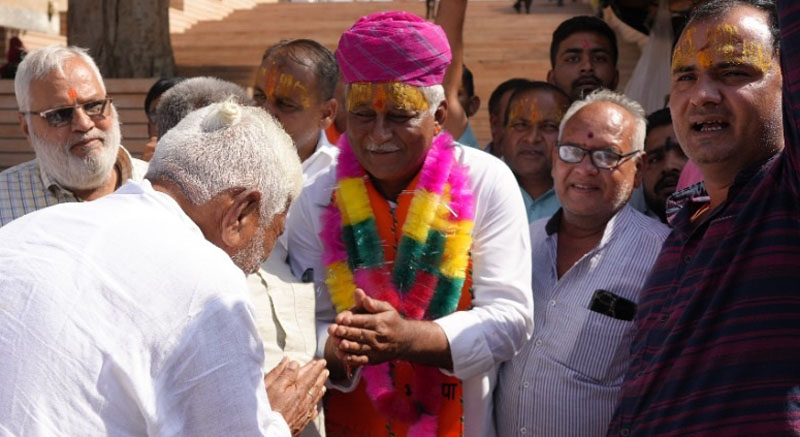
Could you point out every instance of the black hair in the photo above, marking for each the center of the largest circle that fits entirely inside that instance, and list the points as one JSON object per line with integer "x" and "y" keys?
{"x": 717, "y": 8}
{"x": 158, "y": 89}
{"x": 467, "y": 81}
{"x": 323, "y": 62}
{"x": 534, "y": 86}
{"x": 662, "y": 117}
{"x": 497, "y": 94}
{"x": 582, "y": 23}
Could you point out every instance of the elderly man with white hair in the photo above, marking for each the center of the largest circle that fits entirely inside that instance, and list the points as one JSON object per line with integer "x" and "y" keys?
{"x": 130, "y": 315}
{"x": 74, "y": 129}
{"x": 590, "y": 261}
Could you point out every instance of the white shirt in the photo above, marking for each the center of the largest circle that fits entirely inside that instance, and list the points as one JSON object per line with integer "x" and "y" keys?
{"x": 502, "y": 318}
{"x": 323, "y": 157}
{"x": 118, "y": 318}
{"x": 566, "y": 379}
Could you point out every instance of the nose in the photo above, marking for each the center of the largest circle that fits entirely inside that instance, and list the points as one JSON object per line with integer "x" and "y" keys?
{"x": 706, "y": 91}
{"x": 586, "y": 63}
{"x": 381, "y": 131}
{"x": 80, "y": 121}
{"x": 675, "y": 160}
{"x": 586, "y": 166}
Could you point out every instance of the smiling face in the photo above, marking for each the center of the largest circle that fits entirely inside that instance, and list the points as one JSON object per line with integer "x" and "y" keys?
{"x": 81, "y": 154}
{"x": 584, "y": 190}
{"x": 532, "y": 132}
{"x": 726, "y": 91}
{"x": 289, "y": 91}
{"x": 583, "y": 64}
{"x": 390, "y": 129}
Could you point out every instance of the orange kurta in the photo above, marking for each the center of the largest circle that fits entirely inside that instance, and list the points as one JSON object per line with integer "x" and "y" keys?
{"x": 353, "y": 414}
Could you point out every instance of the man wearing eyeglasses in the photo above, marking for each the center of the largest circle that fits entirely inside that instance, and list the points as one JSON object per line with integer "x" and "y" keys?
{"x": 589, "y": 262}
{"x": 74, "y": 131}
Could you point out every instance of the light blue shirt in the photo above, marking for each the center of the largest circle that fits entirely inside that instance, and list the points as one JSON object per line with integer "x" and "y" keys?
{"x": 566, "y": 379}
{"x": 468, "y": 138}
{"x": 543, "y": 206}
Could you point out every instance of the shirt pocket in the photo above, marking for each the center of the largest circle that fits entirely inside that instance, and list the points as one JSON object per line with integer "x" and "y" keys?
{"x": 600, "y": 346}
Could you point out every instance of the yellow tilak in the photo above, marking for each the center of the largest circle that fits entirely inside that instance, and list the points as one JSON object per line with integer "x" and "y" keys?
{"x": 353, "y": 201}
{"x": 340, "y": 285}
{"x": 403, "y": 96}
{"x": 420, "y": 214}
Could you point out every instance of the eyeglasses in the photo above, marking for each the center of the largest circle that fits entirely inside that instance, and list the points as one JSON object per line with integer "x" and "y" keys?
{"x": 601, "y": 158}
{"x": 58, "y": 117}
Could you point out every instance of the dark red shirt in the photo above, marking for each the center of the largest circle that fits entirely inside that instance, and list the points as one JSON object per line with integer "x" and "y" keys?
{"x": 717, "y": 349}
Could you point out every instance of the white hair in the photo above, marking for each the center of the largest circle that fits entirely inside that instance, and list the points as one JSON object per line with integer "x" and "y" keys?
{"x": 621, "y": 100}
{"x": 39, "y": 63}
{"x": 227, "y": 145}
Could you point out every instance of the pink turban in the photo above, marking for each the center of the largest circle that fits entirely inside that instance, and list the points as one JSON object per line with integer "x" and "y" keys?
{"x": 394, "y": 46}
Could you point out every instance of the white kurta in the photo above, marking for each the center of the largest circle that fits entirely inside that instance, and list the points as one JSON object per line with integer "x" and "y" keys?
{"x": 502, "y": 318}
{"x": 118, "y": 318}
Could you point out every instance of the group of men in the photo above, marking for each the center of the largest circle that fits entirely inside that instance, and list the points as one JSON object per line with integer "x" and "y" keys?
{"x": 417, "y": 285}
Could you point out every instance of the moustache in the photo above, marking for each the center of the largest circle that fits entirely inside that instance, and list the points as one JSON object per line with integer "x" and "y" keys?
{"x": 94, "y": 134}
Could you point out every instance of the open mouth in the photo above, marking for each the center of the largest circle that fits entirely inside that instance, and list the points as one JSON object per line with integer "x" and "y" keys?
{"x": 709, "y": 126}
{"x": 387, "y": 148}
{"x": 585, "y": 188}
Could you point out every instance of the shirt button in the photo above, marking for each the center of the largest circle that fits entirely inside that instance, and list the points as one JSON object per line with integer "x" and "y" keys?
{"x": 538, "y": 342}
{"x": 523, "y": 430}
{"x": 525, "y": 384}
{"x": 552, "y": 303}
{"x": 687, "y": 259}
{"x": 624, "y": 432}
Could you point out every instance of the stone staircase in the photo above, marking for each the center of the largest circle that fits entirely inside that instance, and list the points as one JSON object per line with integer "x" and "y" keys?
{"x": 499, "y": 44}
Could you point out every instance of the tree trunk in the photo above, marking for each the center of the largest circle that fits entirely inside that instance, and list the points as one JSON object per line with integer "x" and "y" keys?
{"x": 127, "y": 38}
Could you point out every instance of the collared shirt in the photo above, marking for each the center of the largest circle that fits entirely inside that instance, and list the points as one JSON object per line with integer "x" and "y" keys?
{"x": 26, "y": 187}
{"x": 502, "y": 317}
{"x": 283, "y": 308}
{"x": 468, "y": 137}
{"x": 717, "y": 347}
{"x": 119, "y": 318}
{"x": 541, "y": 207}
{"x": 565, "y": 380}
{"x": 323, "y": 157}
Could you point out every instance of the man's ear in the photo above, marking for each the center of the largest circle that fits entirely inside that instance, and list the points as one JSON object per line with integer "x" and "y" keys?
{"x": 240, "y": 219}
{"x": 23, "y": 124}
{"x": 440, "y": 116}
{"x": 473, "y": 106}
{"x": 550, "y": 79}
{"x": 329, "y": 109}
{"x": 641, "y": 166}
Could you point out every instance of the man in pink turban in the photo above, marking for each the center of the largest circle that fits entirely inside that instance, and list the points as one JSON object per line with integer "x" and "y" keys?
{"x": 419, "y": 250}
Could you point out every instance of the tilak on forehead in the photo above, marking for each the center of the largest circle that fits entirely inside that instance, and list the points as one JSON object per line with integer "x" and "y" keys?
{"x": 73, "y": 95}
{"x": 404, "y": 97}
{"x": 280, "y": 84}
{"x": 724, "y": 44}
{"x": 528, "y": 108}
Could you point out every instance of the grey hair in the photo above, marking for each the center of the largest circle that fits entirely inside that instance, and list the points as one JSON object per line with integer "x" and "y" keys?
{"x": 39, "y": 63}
{"x": 192, "y": 94}
{"x": 227, "y": 145}
{"x": 621, "y": 100}
{"x": 434, "y": 95}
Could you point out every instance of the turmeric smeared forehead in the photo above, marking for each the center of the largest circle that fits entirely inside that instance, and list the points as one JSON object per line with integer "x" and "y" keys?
{"x": 722, "y": 44}
{"x": 282, "y": 84}
{"x": 378, "y": 95}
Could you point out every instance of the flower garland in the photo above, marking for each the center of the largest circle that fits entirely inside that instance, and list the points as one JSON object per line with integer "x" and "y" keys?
{"x": 429, "y": 269}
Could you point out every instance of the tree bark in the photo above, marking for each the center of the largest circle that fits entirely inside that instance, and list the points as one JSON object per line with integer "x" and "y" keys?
{"x": 127, "y": 38}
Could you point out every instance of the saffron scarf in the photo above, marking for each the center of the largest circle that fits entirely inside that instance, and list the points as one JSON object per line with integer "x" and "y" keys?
{"x": 428, "y": 272}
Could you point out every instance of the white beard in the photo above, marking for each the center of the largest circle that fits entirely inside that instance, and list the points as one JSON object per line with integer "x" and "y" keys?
{"x": 79, "y": 173}
{"x": 251, "y": 256}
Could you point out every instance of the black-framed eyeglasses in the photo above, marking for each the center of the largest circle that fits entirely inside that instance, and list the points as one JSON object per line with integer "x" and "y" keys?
{"x": 58, "y": 117}
{"x": 601, "y": 158}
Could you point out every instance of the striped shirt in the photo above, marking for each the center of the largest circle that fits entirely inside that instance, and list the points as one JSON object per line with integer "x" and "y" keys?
{"x": 565, "y": 381}
{"x": 717, "y": 346}
{"x": 25, "y": 187}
